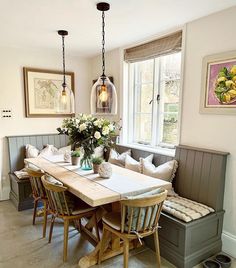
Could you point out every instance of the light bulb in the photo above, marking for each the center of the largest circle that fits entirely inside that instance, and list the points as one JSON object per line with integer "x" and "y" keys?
{"x": 103, "y": 95}
{"x": 63, "y": 96}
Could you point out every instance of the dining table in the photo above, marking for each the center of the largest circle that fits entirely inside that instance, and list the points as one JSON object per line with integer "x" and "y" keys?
{"x": 98, "y": 192}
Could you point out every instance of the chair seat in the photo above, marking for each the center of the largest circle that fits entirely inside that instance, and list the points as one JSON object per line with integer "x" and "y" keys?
{"x": 113, "y": 219}
{"x": 81, "y": 207}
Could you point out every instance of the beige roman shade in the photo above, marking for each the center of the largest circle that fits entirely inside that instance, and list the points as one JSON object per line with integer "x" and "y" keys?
{"x": 163, "y": 46}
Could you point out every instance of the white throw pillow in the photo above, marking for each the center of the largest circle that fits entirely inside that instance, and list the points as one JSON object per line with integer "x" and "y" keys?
{"x": 64, "y": 150}
{"x": 118, "y": 159}
{"x": 49, "y": 150}
{"x": 31, "y": 151}
{"x": 165, "y": 171}
{"x": 132, "y": 164}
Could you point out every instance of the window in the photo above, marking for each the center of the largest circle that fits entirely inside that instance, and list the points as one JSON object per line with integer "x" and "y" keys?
{"x": 153, "y": 105}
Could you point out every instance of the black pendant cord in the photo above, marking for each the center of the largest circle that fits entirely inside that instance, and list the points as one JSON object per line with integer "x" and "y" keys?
{"x": 103, "y": 46}
{"x": 64, "y": 63}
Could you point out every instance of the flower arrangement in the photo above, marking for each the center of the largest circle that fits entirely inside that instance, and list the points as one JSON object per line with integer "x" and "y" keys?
{"x": 89, "y": 132}
{"x": 225, "y": 89}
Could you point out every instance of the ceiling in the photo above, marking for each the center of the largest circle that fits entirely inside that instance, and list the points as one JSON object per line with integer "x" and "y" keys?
{"x": 34, "y": 23}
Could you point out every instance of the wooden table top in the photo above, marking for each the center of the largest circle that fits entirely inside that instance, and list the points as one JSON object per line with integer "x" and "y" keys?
{"x": 95, "y": 190}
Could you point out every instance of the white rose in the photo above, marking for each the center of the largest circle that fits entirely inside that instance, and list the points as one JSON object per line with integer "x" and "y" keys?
{"x": 105, "y": 130}
{"x": 96, "y": 123}
{"x": 82, "y": 127}
{"x": 111, "y": 127}
{"x": 97, "y": 135}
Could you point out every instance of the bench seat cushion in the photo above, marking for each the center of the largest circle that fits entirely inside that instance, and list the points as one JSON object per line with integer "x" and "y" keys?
{"x": 185, "y": 209}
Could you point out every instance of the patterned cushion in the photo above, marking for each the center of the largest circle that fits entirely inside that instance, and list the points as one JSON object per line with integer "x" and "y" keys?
{"x": 185, "y": 209}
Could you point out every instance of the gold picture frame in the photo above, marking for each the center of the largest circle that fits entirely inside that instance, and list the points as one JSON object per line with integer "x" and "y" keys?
{"x": 42, "y": 90}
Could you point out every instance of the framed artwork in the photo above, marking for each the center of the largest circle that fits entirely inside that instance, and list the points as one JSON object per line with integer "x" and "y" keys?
{"x": 43, "y": 93}
{"x": 103, "y": 107}
{"x": 218, "y": 94}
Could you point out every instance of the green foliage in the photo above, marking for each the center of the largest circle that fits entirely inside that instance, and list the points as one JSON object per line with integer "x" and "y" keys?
{"x": 75, "y": 154}
{"x": 97, "y": 160}
{"x": 89, "y": 132}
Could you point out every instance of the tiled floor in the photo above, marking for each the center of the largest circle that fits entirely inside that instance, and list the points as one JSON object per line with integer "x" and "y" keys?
{"x": 21, "y": 245}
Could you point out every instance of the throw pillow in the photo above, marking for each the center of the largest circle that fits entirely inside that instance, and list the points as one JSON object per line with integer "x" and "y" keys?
{"x": 31, "y": 151}
{"x": 118, "y": 159}
{"x": 165, "y": 171}
{"x": 132, "y": 164}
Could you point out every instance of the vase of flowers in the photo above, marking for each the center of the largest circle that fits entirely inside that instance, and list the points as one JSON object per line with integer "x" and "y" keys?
{"x": 88, "y": 132}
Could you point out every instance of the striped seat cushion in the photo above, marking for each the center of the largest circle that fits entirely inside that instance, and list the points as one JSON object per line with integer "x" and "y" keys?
{"x": 185, "y": 209}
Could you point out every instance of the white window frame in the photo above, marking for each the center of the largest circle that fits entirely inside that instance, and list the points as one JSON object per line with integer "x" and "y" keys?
{"x": 127, "y": 122}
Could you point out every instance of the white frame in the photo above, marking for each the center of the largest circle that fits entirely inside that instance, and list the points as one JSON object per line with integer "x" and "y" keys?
{"x": 215, "y": 58}
{"x": 124, "y": 96}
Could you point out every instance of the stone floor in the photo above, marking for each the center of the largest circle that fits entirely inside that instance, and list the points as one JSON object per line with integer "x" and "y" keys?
{"x": 22, "y": 245}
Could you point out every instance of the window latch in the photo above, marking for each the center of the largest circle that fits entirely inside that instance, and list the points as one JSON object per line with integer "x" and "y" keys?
{"x": 150, "y": 102}
{"x": 158, "y": 98}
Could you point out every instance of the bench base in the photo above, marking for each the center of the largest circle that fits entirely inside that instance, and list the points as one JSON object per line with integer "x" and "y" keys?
{"x": 187, "y": 244}
{"x": 21, "y": 193}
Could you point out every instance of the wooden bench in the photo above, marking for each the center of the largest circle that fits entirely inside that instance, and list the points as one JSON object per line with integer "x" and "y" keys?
{"x": 200, "y": 177}
{"x": 21, "y": 193}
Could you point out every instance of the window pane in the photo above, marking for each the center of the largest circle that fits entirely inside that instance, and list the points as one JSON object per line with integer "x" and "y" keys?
{"x": 143, "y": 127}
{"x": 169, "y": 91}
{"x": 145, "y": 71}
{"x": 144, "y": 96}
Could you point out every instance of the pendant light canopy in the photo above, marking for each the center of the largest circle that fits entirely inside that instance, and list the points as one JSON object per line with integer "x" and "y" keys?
{"x": 67, "y": 100}
{"x": 103, "y": 94}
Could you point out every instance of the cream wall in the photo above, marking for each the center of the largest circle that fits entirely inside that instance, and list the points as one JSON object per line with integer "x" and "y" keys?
{"x": 12, "y": 96}
{"x": 205, "y": 36}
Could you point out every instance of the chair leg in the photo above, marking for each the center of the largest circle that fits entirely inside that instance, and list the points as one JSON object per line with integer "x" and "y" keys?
{"x": 51, "y": 228}
{"x": 105, "y": 237}
{"x": 45, "y": 215}
{"x": 156, "y": 241}
{"x": 66, "y": 230}
{"x": 126, "y": 253}
{"x": 35, "y": 210}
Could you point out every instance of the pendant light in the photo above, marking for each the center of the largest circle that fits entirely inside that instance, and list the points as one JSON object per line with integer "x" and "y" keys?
{"x": 103, "y": 94}
{"x": 67, "y": 99}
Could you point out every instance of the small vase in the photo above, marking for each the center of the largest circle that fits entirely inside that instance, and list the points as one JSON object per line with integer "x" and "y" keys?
{"x": 75, "y": 160}
{"x": 86, "y": 163}
{"x": 95, "y": 168}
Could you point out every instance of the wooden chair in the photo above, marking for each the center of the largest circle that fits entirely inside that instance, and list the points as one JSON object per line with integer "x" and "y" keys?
{"x": 39, "y": 194}
{"x": 138, "y": 218}
{"x": 63, "y": 206}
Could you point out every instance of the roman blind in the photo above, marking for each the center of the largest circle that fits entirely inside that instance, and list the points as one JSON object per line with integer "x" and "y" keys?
{"x": 163, "y": 46}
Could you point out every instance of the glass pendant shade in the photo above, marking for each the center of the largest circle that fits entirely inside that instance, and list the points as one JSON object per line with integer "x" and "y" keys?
{"x": 65, "y": 101}
{"x": 103, "y": 97}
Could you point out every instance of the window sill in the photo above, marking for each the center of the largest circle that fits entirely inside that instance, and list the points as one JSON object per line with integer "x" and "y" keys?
{"x": 159, "y": 150}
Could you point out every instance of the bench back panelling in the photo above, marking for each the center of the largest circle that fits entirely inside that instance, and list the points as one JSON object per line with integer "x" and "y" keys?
{"x": 201, "y": 175}
{"x": 158, "y": 159}
{"x": 17, "y": 144}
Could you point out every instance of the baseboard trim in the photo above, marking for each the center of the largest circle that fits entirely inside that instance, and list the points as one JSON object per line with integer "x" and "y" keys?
{"x": 229, "y": 244}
